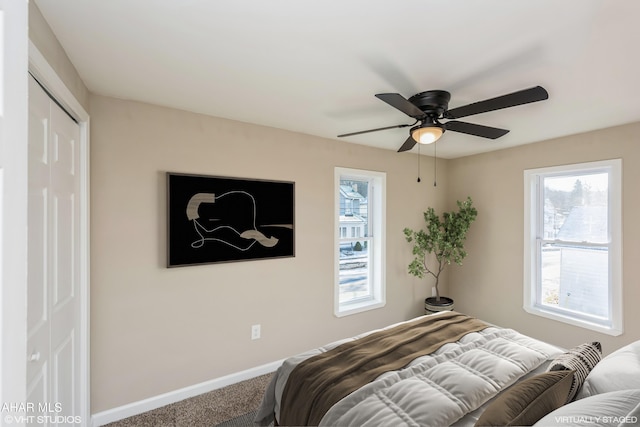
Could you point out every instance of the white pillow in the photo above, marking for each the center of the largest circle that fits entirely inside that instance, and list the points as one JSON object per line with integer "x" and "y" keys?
{"x": 616, "y": 408}
{"x": 618, "y": 371}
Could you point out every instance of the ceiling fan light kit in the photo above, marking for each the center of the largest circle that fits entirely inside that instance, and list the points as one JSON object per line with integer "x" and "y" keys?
{"x": 427, "y": 133}
{"x": 427, "y": 108}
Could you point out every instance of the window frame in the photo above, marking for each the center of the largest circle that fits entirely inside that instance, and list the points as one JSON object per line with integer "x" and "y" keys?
{"x": 533, "y": 234}
{"x": 376, "y": 216}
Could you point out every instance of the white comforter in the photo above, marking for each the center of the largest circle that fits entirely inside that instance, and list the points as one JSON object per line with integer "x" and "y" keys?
{"x": 435, "y": 390}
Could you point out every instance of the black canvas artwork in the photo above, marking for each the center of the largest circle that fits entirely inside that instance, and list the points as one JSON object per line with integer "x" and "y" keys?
{"x": 220, "y": 219}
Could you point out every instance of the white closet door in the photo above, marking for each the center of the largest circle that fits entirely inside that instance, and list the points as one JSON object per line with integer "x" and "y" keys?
{"x": 53, "y": 297}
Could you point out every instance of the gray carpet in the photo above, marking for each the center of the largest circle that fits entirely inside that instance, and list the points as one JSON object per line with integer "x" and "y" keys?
{"x": 245, "y": 420}
{"x": 233, "y": 406}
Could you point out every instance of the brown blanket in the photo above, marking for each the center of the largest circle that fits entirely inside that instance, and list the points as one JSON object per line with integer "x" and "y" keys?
{"x": 319, "y": 382}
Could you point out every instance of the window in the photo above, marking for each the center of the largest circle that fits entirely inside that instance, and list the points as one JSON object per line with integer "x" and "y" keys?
{"x": 359, "y": 254}
{"x": 573, "y": 258}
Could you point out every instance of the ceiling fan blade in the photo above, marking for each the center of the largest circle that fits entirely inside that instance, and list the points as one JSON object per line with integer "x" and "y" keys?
{"x": 476, "y": 130}
{"x": 408, "y": 145}
{"x": 373, "y": 130}
{"x": 525, "y": 96}
{"x": 401, "y": 103}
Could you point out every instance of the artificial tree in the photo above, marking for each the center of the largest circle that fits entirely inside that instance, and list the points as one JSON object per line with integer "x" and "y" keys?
{"x": 444, "y": 238}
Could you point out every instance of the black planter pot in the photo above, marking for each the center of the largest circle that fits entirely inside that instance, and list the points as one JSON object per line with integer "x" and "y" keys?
{"x": 432, "y": 305}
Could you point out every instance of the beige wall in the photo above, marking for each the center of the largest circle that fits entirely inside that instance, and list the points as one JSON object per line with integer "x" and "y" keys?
{"x": 155, "y": 330}
{"x": 489, "y": 284}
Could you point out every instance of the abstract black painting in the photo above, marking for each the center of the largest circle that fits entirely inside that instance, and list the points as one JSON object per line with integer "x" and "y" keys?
{"x": 214, "y": 219}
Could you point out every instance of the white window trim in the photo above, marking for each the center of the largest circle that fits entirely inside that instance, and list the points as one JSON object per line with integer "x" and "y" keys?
{"x": 378, "y": 273}
{"x": 615, "y": 249}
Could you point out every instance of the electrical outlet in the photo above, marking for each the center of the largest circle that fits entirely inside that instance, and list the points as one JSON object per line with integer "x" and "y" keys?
{"x": 255, "y": 332}
{"x": 433, "y": 291}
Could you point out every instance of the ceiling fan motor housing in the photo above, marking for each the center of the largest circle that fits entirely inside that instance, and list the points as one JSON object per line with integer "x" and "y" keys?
{"x": 432, "y": 102}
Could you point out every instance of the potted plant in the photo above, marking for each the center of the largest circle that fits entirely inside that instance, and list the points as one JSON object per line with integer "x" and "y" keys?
{"x": 445, "y": 240}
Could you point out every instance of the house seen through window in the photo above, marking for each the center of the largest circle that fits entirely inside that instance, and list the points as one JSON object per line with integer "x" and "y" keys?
{"x": 572, "y": 244}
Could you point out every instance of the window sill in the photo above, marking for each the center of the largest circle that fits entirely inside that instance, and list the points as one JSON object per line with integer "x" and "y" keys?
{"x": 349, "y": 309}
{"x": 609, "y": 330}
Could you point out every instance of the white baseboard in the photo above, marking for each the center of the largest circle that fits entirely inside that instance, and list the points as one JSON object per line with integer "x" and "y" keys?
{"x": 135, "y": 408}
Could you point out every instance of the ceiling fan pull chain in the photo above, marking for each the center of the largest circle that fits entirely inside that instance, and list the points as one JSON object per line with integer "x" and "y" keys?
{"x": 435, "y": 164}
{"x": 418, "y": 162}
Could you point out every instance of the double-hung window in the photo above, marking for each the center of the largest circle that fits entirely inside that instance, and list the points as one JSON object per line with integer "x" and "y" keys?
{"x": 573, "y": 259}
{"x": 359, "y": 240}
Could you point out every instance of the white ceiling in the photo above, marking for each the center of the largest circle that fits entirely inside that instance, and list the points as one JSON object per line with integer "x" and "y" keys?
{"x": 313, "y": 66}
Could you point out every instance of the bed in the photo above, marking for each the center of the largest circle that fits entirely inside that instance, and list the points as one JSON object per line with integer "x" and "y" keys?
{"x": 449, "y": 369}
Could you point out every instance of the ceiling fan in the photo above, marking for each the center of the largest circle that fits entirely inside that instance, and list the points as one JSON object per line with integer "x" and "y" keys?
{"x": 429, "y": 107}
